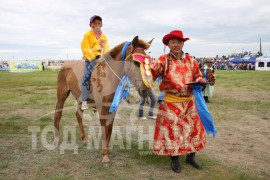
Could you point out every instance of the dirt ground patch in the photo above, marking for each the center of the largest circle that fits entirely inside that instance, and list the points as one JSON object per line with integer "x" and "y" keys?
{"x": 243, "y": 140}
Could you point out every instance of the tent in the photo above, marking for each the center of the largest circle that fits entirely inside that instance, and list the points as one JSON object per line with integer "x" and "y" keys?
{"x": 250, "y": 60}
{"x": 262, "y": 64}
{"x": 236, "y": 60}
{"x": 244, "y": 60}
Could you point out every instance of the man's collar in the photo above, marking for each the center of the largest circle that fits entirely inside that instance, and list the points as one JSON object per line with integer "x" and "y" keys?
{"x": 174, "y": 56}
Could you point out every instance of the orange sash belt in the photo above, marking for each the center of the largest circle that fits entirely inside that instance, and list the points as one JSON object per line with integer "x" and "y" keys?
{"x": 176, "y": 99}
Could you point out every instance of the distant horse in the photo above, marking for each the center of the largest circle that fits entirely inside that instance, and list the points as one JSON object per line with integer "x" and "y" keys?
{"x": 210, "y": 78}
{"x": 209, "y": 75}
{"x": 105, "y": 78}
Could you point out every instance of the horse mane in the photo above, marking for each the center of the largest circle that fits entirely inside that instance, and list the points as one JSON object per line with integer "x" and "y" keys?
{"x": 114, "y": 52}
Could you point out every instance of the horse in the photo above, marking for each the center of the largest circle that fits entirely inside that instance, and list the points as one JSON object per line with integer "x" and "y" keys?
{"x": 209, "y": 75}
{"x": 114, "y": 64}
{"x": 210, "y": 78}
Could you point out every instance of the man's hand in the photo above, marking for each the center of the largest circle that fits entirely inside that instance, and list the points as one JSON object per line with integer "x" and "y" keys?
{"x": 200, "y": 79}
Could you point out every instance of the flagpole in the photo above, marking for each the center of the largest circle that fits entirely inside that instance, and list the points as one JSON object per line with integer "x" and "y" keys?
{"x": 260, "y": 47}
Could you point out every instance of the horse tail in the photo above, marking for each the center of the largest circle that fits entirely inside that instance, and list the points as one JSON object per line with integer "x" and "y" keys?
{"x": 62, "y": 85}
{"x": 63, "y": 92}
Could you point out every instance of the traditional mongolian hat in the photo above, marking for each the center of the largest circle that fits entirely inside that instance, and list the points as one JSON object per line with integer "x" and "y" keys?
{"x": 175, "y": 34}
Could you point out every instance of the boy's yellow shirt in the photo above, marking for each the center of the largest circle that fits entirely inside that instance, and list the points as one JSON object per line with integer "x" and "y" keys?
{"x": 90, "y": 45}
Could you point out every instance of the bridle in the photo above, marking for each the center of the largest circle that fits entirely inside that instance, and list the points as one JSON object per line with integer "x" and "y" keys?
{"x": 124, "y": 58}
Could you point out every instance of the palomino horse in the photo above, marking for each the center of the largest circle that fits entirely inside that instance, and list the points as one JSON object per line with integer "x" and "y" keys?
{"x": 105, "y": 78}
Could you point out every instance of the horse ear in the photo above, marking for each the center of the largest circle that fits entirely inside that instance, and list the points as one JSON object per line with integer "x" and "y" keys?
{"x": 135, "y": 41}
{"x": 150, "y": 42}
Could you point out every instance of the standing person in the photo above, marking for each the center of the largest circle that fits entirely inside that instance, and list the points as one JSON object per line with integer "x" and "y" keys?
{"x": 178, "y": 129}
{"x": 209, "y": 90}
{"x": 152, "y": 105}
{"x": 93, "y": 45}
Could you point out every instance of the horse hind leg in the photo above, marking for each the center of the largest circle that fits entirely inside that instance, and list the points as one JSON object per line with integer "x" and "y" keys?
{"x": 62, "y": 94}
{"x": 58, "y": 114}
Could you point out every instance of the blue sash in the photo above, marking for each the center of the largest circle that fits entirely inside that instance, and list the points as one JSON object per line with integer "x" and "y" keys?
{"x": 203, "y": 112}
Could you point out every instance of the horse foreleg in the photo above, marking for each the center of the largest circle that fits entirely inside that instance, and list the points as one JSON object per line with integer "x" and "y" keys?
{"x": 106, "y": 138}
{"x": 79, "y": 115}
{"x": 57, "y": 118}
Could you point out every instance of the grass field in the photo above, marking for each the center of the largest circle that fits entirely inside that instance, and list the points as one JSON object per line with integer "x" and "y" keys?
{"x": 240, "y": 109}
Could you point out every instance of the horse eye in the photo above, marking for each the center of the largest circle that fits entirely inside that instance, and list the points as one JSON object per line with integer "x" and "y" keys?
{"x": 137, "y": 63}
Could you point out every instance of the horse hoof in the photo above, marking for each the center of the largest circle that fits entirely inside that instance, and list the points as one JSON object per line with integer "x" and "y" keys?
{"x": 85, "y": 142}
{"x": 107, "y": 164}
{"x": 110, "y": 155}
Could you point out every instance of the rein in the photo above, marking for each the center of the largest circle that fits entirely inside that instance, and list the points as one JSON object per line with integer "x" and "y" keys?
{"x": 123, "y": 53}
{"x": 123, "y": 58}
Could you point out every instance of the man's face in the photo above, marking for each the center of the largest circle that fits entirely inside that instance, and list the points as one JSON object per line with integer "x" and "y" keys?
{"x": 176, "y": 45}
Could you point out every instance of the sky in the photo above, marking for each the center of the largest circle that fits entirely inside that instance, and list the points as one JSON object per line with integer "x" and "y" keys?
{"x": 54, "y": 29}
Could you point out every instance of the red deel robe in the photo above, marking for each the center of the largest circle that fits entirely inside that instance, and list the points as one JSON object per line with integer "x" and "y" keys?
{"x": 178, "y": 129}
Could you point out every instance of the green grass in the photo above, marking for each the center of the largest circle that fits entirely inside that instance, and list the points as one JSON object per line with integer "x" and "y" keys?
{"x": 244, "y": 80}
{"x": 44, "y": 78}
{"x": 28, "y": 99}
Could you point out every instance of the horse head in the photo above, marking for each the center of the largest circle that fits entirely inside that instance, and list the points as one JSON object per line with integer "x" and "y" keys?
{"x": 137, "y": 66}
{"x": 209, "y": 75}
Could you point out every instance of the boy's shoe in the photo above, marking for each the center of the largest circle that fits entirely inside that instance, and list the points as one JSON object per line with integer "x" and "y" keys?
{"x": 142, "y": 118}
{"x": 84, "y": 105}
{"x": 152, "y": 117}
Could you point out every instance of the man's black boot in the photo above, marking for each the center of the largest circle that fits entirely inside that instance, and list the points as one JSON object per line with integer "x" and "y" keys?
{"x": 206, "y": 99}
{"x": 191, "y": 160}
{"x": 175, "y": 164}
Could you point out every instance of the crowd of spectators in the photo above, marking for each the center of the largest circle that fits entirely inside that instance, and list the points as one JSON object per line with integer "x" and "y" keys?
{"x": 55, "y": 62}
{"x": 222, "y": 62}
{"x": 4, "y": 65}
{"x": 242, "y": 55}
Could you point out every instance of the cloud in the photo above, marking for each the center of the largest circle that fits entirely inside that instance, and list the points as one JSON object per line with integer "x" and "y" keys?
{"x": 53, "y": 29}
{"x": 8, "y": 51}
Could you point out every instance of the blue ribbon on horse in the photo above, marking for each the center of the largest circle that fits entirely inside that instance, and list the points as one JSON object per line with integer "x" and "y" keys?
{"x": 159, "y": 79}
{"x": 123, "y": 89}
{"x": 123, "y": 53}
{"x": 203, "y": 112}
{"x": 121, "y": 92}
